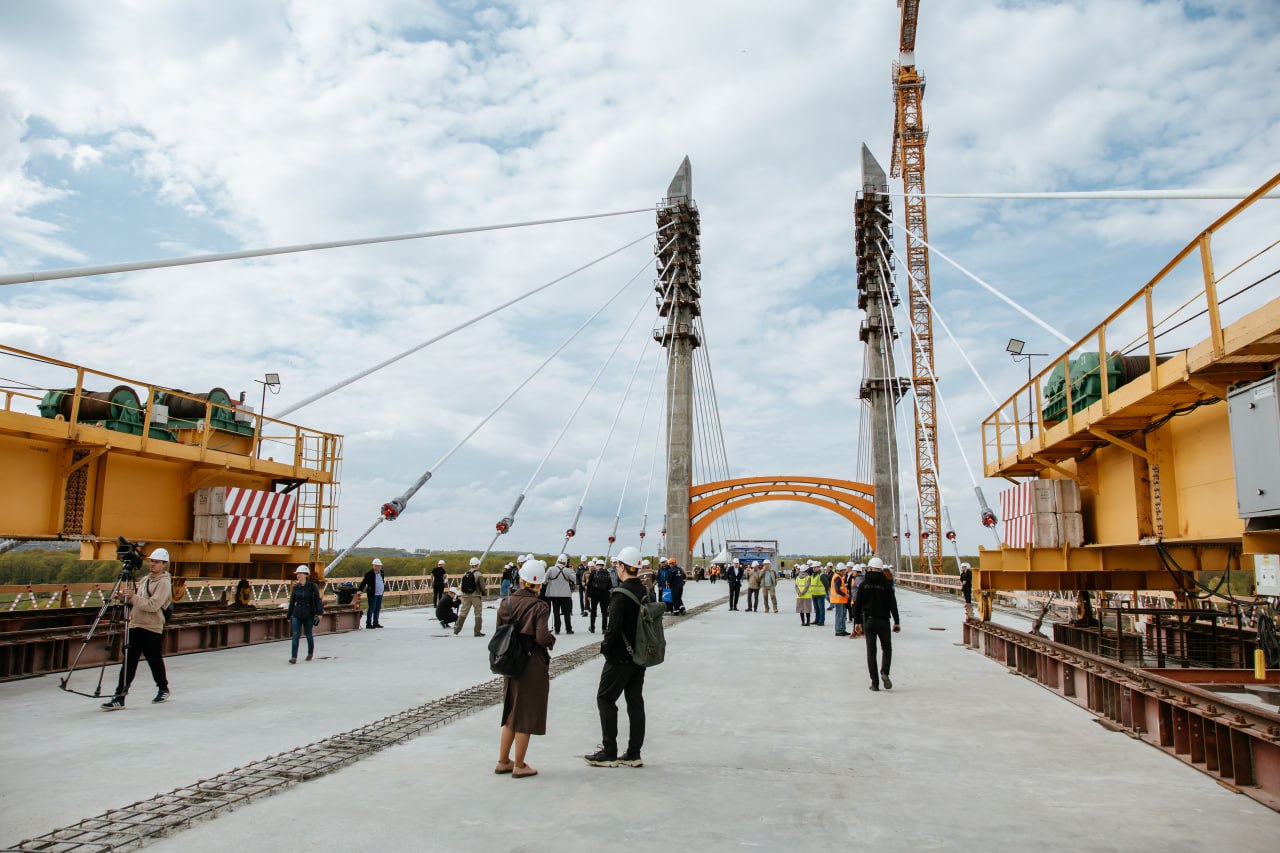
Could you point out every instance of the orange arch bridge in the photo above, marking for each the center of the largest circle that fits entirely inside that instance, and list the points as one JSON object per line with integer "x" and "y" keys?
{"x": 851, "y": 500}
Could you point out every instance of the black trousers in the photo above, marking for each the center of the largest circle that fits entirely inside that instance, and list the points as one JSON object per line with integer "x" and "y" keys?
{"x": 600, "y": 600}
{"x": 621, "y": 679}
{"x": 677, "y": 597}
{"x": 878, "y": 629}
{"x": 753, "y": 598}
{"x": 968, "y": 594}
{"x": 562, "y": 606}
{"x": 148, "y": 644}
{"x": 735, "y": 590}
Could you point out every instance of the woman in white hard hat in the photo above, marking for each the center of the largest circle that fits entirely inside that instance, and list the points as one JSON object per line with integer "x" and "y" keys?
{"x": 305, "y": 607}
{"x": 524, "y": 701}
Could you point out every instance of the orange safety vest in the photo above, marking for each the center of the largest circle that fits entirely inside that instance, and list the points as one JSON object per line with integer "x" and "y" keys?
{"x": 839, "y": 590}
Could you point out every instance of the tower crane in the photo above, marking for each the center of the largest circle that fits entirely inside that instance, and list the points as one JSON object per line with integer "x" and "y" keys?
{"x": 909, "y": 135}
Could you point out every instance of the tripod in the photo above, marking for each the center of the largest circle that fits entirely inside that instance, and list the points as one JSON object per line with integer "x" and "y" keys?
{"x": 118, "y": 616}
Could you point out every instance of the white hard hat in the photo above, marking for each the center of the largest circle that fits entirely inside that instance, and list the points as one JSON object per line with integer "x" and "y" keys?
{"x": 875, "y": 563}
{"x": 475, "y": 561}
{"x": 629, "y": 556}
{"x": 767, "y": 563}
{"x": 582, "y": 559}
{"x": 562, "y": 560}
{"x": 841, "y": 566}
{"x": 377, "y": 562}
{"x": 533, "y": 571}
{"x": 160, "y": 554}
{"x": 965, "y": 566}
{"x": 302, "y": 570}
{"x": 440, "y": 563}
{"x": 645, "y": 563}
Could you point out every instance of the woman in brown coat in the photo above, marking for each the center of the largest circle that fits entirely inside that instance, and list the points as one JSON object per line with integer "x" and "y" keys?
{"x": 524, "y": 704}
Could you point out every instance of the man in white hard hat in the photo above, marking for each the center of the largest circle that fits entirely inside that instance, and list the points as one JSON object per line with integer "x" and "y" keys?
{"x": 735, "y": 576}
{"x": 621, "y": 675}
{"x": 580, "y": 577}
{"x": 147, "y": 606}
{"x": 558, "y": 590}
{"x": 471, "y": 586}
{"x": 599, "y": 584}
{"x": 873, "y": 606}
{"x": 769, "y": 586}
{"x": 439, "y": 580}
{"x": 373, "y": 585}
{"x": 966, "y": 583}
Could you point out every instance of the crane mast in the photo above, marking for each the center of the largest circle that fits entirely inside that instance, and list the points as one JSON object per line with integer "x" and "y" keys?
{"x": 909, "y": 135}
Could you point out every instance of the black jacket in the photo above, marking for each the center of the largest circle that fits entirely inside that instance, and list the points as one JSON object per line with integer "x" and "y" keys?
{"x": 437, "y": 578}
{"x": 875, "y": 599}
{"x": 675, "y": 576}
{"x": 735, "y": 574}
{"x": 369, "y": 585}
{"x": 624, "y": 614}
{"x": 447, "y": 605}
{"x": 966, "y": 580}
{"x": 305, "y": 602}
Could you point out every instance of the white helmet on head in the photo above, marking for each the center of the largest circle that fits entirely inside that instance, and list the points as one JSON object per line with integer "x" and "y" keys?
{"x": 377, "y": 562}
{"x": 644, "y": 564}
{"x": 160, "y": 554}
{"x": 562, "y": 560}
{"x": 875, "y": 563}
{"x": 302, "y": 570}
{"x": 475, "y": 561}
{"x": 533, "y": 571}
{"x": 767, "y": 563}
{"x": 440, "y": 562}
{"x": 629, "y": 556}
{"x": 840, "y": 567}
{"x": 965, "y": 566}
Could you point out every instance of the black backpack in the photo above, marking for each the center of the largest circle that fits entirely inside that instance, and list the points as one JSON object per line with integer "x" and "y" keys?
{"x": 469, "y": 582}
{"x": 508, "y": 653}
{"x": 600, "y": 581}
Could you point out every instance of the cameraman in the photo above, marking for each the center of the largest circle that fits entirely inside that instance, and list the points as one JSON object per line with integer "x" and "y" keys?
{"x": 146, "y": 629}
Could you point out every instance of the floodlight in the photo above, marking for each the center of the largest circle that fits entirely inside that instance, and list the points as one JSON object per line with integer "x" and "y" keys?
{"x": 1015, "y": 346}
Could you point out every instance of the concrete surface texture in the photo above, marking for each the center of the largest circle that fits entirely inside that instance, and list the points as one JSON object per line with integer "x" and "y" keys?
{"x": 762, "y": 734}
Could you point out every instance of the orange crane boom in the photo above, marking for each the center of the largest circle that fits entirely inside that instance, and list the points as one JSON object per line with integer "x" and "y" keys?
{"x": 909, "y": 136}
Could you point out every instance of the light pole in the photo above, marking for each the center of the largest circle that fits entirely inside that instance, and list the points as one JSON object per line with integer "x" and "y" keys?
{"x": 272, "y": 381}
{"x": 1014, "y": 348}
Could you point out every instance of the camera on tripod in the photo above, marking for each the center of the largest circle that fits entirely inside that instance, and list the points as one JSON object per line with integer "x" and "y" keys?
{"x": 130, "y": 556}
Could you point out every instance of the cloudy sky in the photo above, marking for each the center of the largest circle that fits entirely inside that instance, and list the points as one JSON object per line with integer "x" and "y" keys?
{"x": 133, "y": 129}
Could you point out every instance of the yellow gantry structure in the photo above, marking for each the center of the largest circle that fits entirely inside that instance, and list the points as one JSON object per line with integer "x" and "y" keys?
{"x": 88, "y": 456}
{"x": 1151, "y": 449}
{"x": 848, "y": 499}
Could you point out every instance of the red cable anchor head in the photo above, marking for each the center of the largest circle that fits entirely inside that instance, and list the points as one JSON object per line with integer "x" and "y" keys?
{"x": 612, "y": 539}
{"x": 505, "y": 525}
{"x": 951, "y": 535}
{"x": 570, "y": 533}
{"x": 391, "y": 509}
{"x": 988, "y": 518}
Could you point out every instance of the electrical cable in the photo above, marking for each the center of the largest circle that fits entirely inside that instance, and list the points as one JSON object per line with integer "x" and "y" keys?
{"x": 992, "y": 290}
{"x": 306, "y": 401}
{"x": 396, "y": 506}
{"x": 133, "y": 266}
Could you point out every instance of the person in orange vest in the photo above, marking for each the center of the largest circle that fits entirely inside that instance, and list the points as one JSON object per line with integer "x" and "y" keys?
{"x": 840, "y": 597}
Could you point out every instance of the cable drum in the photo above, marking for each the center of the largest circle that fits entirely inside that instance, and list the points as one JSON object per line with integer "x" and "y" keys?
{"x": 114, "y": 405}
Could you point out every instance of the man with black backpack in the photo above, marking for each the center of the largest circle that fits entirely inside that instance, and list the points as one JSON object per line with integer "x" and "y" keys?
{"x": 632, "y": 642}
{"x": 472, "y": 589}
{"x": 599, "y": 585}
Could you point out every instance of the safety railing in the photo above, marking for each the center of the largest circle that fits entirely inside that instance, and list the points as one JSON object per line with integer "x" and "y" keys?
{"x": 1178, "y": 308}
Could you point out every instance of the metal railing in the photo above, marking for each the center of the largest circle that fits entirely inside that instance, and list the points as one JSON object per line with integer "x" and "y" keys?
{"x": 1099, "y": 363}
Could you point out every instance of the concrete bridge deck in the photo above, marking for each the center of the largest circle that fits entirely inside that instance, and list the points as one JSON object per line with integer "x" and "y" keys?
{"x": 762, "y": 734}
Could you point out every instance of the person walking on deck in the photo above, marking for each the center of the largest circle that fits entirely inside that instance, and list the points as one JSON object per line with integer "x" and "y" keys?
{"x": 373, "y": 584}
{"x": 473, "y": 591}
{"x": 839, "y": 596}
{"x": 753, "y": 587}
{"x": 558, "y": 589}
{"x": 873, "y": 606}
{"x": 305, "y": 608}
{"x": 769, "y": 586}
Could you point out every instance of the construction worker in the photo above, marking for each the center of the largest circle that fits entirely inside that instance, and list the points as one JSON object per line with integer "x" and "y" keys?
{"x": 580, "y": 574}
{"x": 472, "y": 588}
{"x": 806, "y": 580}
{"x": 819, "y": 594}
{"x": 439, "y": 579}
{"x": 966, "y": 582}
{"x": 146, "y": 606}
{"x": 558, "y": 590}
{"x": 769, "y": 586}
{"x": 839, "y": 596}
{"x": 621, "y": 675}
{"x": 599, "y": 584}
{"x": 374, "y": 584}
{"x": 754, "y": 571}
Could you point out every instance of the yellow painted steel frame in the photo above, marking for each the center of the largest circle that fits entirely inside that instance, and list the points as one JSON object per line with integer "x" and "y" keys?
{"x": 852, "y": 500}
{"x": 67, "y": 479}
{"x": 1142, "y": 484}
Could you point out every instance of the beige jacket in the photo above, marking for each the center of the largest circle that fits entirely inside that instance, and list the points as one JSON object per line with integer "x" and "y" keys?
{"x": 145, "y": 612}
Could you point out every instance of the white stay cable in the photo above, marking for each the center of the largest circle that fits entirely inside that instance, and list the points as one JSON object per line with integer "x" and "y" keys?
{"x": 635, "y": 448}
{"x": 942, "y": 403}
{"x": 919, "y": 290}
{"x": 657, "y": 442}
{"x": 131, "y": 266}
{"x": 393, "y": 508}
{"x": 716, "y": 467}
{"x": 711, "y": 380}
{"x": 1104, "y": 195}
{"x": 306, "y": 401}
{"x": 996, "y": 293}
{"x": 595, "y": 469}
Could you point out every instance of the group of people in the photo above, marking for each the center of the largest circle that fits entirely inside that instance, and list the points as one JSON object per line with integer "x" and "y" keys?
{"x": 527, "y": 696}
{"x": 859, "y": 593}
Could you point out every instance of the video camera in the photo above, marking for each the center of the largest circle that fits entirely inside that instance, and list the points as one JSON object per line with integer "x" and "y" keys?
{"x": 130, "y": 556}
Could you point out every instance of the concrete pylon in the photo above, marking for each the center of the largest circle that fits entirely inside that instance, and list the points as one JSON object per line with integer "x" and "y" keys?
{"x": 678, "y": 286}
{"x": 881, "y": 387}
